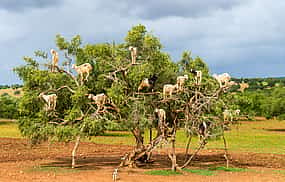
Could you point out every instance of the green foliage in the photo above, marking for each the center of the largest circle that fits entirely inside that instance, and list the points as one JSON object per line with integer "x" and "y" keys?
{"x": 4, "y": 94}
{"x": 106, "y": 59}
{"x": 163, "y": 172}
{"x": 187, "y": 62}
{"x": 17, "y": 92}
{"x": 9, "y": 129}
{"x": 203, "y": 172}
{"x": 53, "y": 169}
{"x": 268, "y": 103}
{"x": 261, "y": 83}
{"x": 229, "y": 169}
{"x": 8, "y": 107}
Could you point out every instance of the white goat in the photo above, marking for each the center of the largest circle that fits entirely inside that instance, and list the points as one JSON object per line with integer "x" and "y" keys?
{"x": 243, "y": 86}
{"x": 145, "y": 83}
{"x": 198, "y": 76}
{"x": 50, "y": 101}
{"x": 168, "y": 89}
{"x": 228, "y": 115}
{"x": 54, "y": 59}
{"x": 100, "y": 100}
{"x": 181, "y": 81}
{"x": 84, "y": 68}
{"x": 115, "y": 174}
{"x": 161, "y": 115}
{"x": 222, "y": 78}
{"x": 133, "y": 54}
{"x": 230, "y": 84}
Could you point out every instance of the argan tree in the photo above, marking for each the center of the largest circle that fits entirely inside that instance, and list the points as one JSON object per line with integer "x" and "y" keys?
{"x": 114, "y": 74}
{"x": 75, "y": 115}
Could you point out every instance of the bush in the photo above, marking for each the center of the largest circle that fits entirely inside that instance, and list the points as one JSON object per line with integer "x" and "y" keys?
{"x": 281, "y": 117}
{"x": 8, "y": 107}
{"x": 4, "y": 94}
{"x": 113, "y": 126}
{"x": 17, "y": 92}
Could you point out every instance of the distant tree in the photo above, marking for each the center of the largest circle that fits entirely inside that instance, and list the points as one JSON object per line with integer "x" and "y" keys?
{"x": 8, "y": 107}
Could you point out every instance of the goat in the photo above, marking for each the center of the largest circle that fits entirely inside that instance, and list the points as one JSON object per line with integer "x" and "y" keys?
{"x": 54, "y": 59}
{"x": 228, "y": 115}
{"x": 222, "y": 78}
{"x": 230, "y": 84}
{"x": 133, "y": 54}
{"x": 115, "y": 174}
{"x": 203, "y": 129}
{"x": 243, "y": 86}
{"x": 180, "y": 81}
{"x": 148, "y": 83}
{"x": 144, "y": 84}
{"x": 161, "y": 115}
{"x": 100, "y": 100}
{"x": 198, "y": 76}
{"x": 84, "y": 68}
{"x": 50, "y": 101}
{"x": 168, "y": 89}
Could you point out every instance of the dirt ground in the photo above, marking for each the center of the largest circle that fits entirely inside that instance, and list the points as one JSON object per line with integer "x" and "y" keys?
{"x": 96, "y": 162}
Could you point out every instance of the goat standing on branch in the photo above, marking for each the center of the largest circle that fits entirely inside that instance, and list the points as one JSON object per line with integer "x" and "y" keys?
{"x": 222, "y": 78}
{"x": 230, "y": 84}
{"x": 133, "y": 54}
{"x": 54, "y": 59}
{"x": 181, "y": 81}
{"x": 50, "y": 101}
{"x": 100, "y": 100}
{"x": 161, "y": 115}
{"x": 148, "y": 83}
{"x": 203, "y": 130}
{"x": 197, "y": 76}
{"x": 84, "y": 68}
{"x": 168, "y": 89}
{"x": 243, "y": 86}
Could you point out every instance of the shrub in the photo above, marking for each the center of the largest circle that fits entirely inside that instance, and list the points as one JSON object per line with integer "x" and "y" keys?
{"x": 17, "y": 92}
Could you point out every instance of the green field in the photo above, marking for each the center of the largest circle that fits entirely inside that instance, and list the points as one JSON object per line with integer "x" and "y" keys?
{"x": 256, "y": 136}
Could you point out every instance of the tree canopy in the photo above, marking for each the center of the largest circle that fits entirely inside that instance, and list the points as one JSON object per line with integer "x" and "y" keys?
{"x": 116, "y": 76}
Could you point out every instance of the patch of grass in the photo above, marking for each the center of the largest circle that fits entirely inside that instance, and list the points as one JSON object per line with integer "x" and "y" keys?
{"x": 250, "y": 137}
{"x": 11, "y": 92}
{"x": 280, "y": 171}
{"x": 52, "y": 169}
{"x": 230, "y": 169}
{"x": 117, "y": 134}
{"x": 203, "y": 172}
{"x": 9, "y": 129}
{"x": 163, "y": 172}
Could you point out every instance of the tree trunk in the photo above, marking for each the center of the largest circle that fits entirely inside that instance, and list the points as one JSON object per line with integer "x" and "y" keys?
{"x": 74, "y": 151}
{"x": 173, "y": 158}
{"x": 150, "y": 134}
{"x": 187, "y": 147}
{"x": 226, "y": 151}
{"x": 138, "y": 136}
{"x": 141, "y": 153}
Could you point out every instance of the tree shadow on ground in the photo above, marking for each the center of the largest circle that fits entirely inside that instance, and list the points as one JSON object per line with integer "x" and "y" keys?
{"x": 275, "y": 130}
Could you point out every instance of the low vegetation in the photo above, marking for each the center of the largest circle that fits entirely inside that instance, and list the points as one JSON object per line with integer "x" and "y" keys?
{"x": 163, "y": 172}
{"x": 248, "y": 137}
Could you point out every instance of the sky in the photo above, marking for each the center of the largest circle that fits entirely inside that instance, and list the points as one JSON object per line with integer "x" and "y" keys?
{"x": 245, "y": 38}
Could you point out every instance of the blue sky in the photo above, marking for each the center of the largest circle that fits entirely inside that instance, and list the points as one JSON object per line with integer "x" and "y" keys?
{"x": 245, "y": 38}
